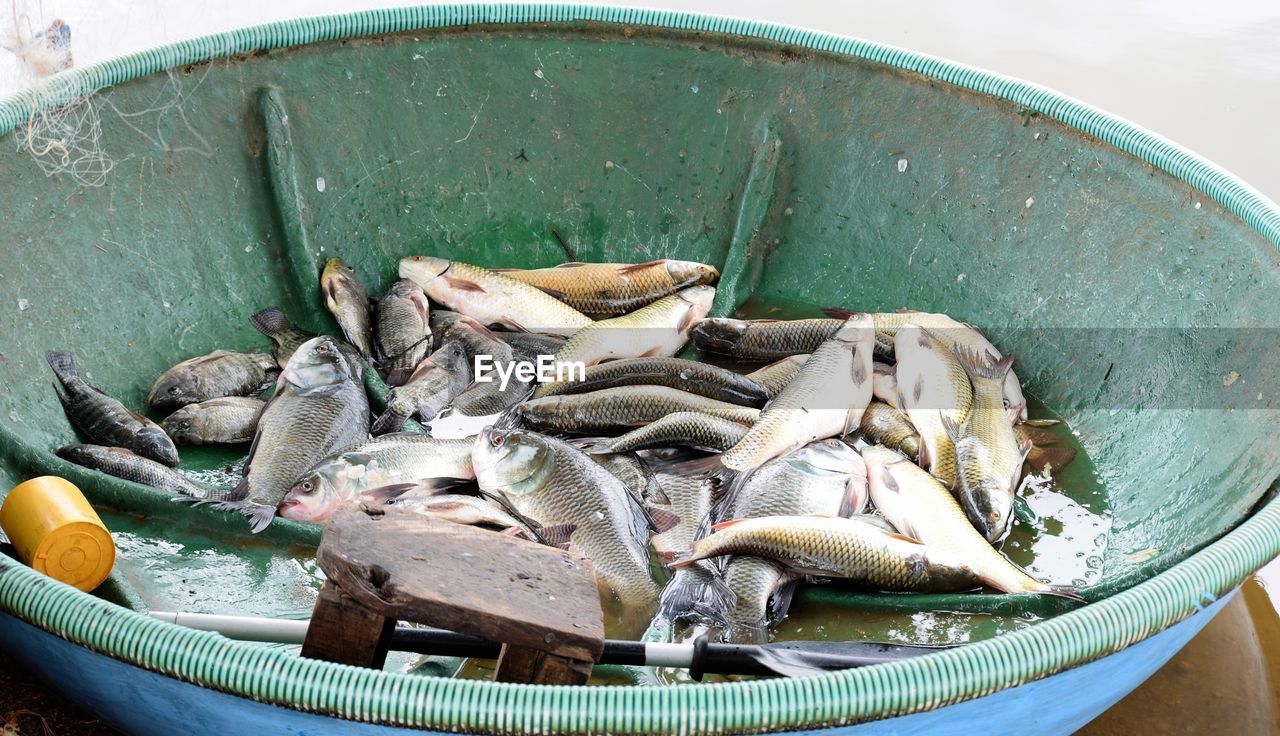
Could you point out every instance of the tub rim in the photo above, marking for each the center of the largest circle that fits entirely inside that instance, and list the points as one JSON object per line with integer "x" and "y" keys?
{"x": 925, "y": 683}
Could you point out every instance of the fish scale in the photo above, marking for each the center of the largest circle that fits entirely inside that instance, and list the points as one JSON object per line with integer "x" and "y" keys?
{"x": 839, "y": 548}
{"x": 683, "y": 429}
{"x": 610, "y": 289}
{"x": 932, "y": 390}
{"x": 555, "y": 485}
{"x": 404, "y": 330}
{"x": 776, "y": 375}
{"x": 624, "y": 407}
{"x": 763, "y": 339}
{"x": 686, "y": 375}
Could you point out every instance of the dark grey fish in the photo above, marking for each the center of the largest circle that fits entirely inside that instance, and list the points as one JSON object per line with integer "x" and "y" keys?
{"x": 348, "y": 302}
{"x": 763, "y": 339}
{"x": 623, "y": 408}
{"x": 119, "y": 462}
{"x": 213, "y": 376}
{"x": 686, "y": 375}
{"x": 103, "y": 418}
{"x": 437, "y": 380}
{"x": 404, "y": 330}
{"x": 681, "y": 429}
{"x": 318, "y": 408}
{"x": 286, "y": 338}
{"x": 227, "y": 420}
{"x": 775, "y": 376}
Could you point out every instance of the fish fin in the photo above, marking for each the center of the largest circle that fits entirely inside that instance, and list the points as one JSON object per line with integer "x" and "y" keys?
{"x": 1024, "y": 450}
{"x": 1042, "y": 422}
{"x": 904, "y": 310}
{"x": 780, "y": 601}
{"x": 270, "y": 321}
{"x": 663, "y": 520}
{"x": 698, "y": 593}
{"x": 856, "y": 492}
{"x": 63, "y": 398}
{"x": 631, "y": 268}
{"x": 838, "y": 312}
{"x": 386, "y": 494}
{"x": 463, "y": 284}
{"x": 981, "y": 366}
{"x": 515, "y": 531}
{"x": 593, "y": 445}
{"x": 655, "y": 493}
{"x": 721, "y": 526}
{"x": 388, "y": 422}
{"x": 63, "y": 364}
{"x": 902, "y": 537}
{"x": 686, "y": 321}
{"x": 516, "y": 326}
{"x": 557, "y": 294}
{"x": 571, "y": 264}
{"x": 955, "y": 432}
{"x": 557, "y": 535}
{"x": 651, "y": 353}
{"x": 1063, "y": 591}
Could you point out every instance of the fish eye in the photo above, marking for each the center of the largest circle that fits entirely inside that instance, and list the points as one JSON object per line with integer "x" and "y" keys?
{"x": 173, "y": 390}
{"x": 497, "y": 440}
{"x": 307, "y": 486}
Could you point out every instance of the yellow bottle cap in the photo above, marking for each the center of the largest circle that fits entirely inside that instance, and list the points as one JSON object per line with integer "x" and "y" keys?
{"x": 57, "y": 532}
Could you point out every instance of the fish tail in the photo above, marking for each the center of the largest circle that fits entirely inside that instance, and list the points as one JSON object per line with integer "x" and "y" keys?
{"x": 983, "y": 366}
{"x": 63, "y": 364}
{"x": 696, "y": 593}
{"x": 271, "y": 322}
{"x": 387, "y": 422}
{"x": 259, "y": 514}
{"x": 199, "y": 495}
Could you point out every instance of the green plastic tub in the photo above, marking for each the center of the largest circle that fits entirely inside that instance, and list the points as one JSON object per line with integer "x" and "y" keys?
{"x": 1137, "y": 283}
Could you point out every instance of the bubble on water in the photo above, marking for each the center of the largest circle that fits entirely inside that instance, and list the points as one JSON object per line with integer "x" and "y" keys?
{"x": 23, "y": 304}
{"x": 902, "y": 165}
{"x": 320, "y": 185}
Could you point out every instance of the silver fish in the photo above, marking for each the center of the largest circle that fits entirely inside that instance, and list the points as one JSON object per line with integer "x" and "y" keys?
{"x": 227, "y": 420}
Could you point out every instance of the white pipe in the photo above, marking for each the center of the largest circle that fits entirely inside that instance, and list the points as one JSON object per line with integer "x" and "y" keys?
{"x": 243, "y": 628}
{"x": 668, "y": 655}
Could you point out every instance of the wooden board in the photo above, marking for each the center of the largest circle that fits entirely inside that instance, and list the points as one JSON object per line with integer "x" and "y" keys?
{"x": 404, "y": 566}
{"x": 344, "y": 631}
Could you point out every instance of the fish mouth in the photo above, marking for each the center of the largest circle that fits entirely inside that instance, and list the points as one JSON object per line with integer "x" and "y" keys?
{"x": 428, "y": 266}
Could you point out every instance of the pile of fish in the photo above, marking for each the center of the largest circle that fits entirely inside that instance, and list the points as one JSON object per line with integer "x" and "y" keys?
{"x": 881, "y": 449}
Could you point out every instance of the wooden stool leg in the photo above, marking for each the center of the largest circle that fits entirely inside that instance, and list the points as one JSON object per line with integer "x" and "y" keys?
{"x": 522, "y": 664}
{"x": 346, "y": 632}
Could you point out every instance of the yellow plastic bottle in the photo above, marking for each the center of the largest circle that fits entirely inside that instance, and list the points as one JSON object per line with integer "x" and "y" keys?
{"x": 57, "y": 532}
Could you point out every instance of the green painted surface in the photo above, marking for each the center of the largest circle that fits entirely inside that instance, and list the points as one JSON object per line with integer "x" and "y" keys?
{"x": 477, "y": 143}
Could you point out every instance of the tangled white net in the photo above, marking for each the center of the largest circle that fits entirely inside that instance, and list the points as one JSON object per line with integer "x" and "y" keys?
{"x": 65, "y": 139}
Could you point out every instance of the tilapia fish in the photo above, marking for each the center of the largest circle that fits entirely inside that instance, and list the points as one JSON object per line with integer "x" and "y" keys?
{"x": 404, "y": 330}
{"x": 286, "y": 338}
{"x": 825, "y": 477}
{"x": 103, "y": 418}
{"x": 318, "y": 407}
{"x": 121, "y": 463}
{"x": 988, "y": 456}
{"x": 436, "y": 381}
{"x": 348, "y": 302}
{"x": 462, "y": 509}
{"x": 568, "y": 495}
{"x": 623, "y": 408}
{"x": 832, "y": 547}
{"x": 378, "y": 469}
{"x": 932, "y": 389}
{"x": 826, "y": 398}
{"x": 922, "y": 508}
{"x": 217, "y": 421}
{"x": 213, "y": 376}
{"x": 491, "y": 298}
{"x": 884, "y": 425}
{"x": 763, "y": 339}
{"x": 952, "y": 333}
{"x": 610, "y": 289}
{"x": 658, "y": 330}
{"x": 776, "y": 375}
{"x": 680, "y": 429}
{"x": 686, "y": 375}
